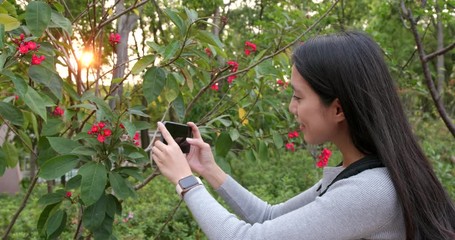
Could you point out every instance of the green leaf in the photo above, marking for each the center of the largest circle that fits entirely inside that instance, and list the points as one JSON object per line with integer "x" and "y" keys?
{"x": 170, "y": 50}
{"x": 141, "y": 125}
{"x": 37, "y": 17}
{"x": 11, "y": 113}
{"x": 120, "y": 186}
{"x": 85, "y": 105}
{"x": 131, "y": 171}
{"x": 94, "y": 178}
{"x": 137, "y": 112}
{"x": 142, "y": 64}
{"x": 278, "y": 140}
{"x": 263, "y": 151}
{"x": 113, "y": 206}
{"x": 179, "y": 106}
{"x": 52, "y": 127}
{"x": 209, "y": 38}
{"x": 35, "y": 102}
{"x": 11, "y": 154}
{"x": 104, "y": 111}
{"x": 84, "y": 151}
{"x": 62, "y": 22}
{"x": 74, "y": 182}
{"x": 57, "y": 166}
{"x": 223, "y": 144}
{"x": 26, "y": 140}
{"x": 63, "y": 145}
{"x": 50, "y": 79}
{"x": 44, "y": 216}
{"x": 234, "y": 134}
{"x": 172, "y": 89}
{"x": 176, "y": 19}
{"x": 55, "y": 221}
{"x": 154, "y": 81}
{"x": 94, "y": 215}
{"x": 129, "y": 127}
{"x": 10, "y": 23}
{"x": 52, "y": 198}
{"x": 19, "y": 83}
{"x": 105, "y": 230}
{"x": 192, "y": 15}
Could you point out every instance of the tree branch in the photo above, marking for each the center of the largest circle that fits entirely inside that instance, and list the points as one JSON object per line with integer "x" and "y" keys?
{"x": 430, "y": 56}
{"x": 426, "y": 70}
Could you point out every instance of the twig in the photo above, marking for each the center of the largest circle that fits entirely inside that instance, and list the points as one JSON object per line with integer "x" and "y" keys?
{"x": 169, "y": 218}
{"x": 21, "y": 207}
{"x": 439, "y": 52}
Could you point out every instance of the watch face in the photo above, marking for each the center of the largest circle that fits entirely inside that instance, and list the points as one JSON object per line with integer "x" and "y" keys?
{"x": 188, "y": 182}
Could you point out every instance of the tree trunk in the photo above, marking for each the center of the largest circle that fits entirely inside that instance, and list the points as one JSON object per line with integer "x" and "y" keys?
{"x": 125, "y": 24}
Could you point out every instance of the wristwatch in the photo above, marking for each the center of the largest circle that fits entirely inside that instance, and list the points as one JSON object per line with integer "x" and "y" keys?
{"x": 187, "y": 183}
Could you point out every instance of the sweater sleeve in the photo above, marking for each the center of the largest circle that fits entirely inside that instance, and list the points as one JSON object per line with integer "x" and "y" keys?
{"x": 352, "y": 208}
{"x": 253, "y": 210}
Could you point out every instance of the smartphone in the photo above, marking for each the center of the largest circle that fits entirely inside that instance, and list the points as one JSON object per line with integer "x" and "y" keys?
{"x": 179, "y": 132}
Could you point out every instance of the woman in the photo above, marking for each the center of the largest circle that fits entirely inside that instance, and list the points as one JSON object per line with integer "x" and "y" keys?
{"x": 344, "y": 94}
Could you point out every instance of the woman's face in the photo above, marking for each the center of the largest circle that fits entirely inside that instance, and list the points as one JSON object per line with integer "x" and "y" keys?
{"x": 316, "y": 120}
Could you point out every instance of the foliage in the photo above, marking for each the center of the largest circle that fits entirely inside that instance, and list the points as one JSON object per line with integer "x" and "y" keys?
{"x": 180, "y": 62}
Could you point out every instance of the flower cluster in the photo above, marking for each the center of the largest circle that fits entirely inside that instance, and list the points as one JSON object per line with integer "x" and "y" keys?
{"x": 137, "y": 139}
{"x": 234, "y": 67}
{"x": 114, "y": 39}
{"x": 249, "y": 47}
{"x": 215, "y": 87}
{"x": 323, "y": 158}
{"x": 99, "y": 130}
{"x": 208, "y": 52}
{"x": 58, "y": 111}
{"x": 291, "y": 136}
{"x": 25, "y": 47}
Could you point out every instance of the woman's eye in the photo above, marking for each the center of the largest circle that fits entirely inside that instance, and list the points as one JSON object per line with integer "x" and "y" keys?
{"x": 296, "y": 98}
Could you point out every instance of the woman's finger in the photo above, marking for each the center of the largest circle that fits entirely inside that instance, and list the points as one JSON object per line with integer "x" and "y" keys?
{"x": 165, "y": 133}
{"x": 195, "y": 130}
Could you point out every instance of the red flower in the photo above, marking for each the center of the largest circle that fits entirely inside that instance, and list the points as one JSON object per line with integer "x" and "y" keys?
{"x": 16, "y": 97}
{"x": 215, "y": 87}
{"x": 37, "y": 60}
{"x": 114, "y": 38}
{"x": 58, "y": 111}
{"x": 32, "y": 46}
{"x": 68, "y": 194}
{"x": 101, "y": 124}
{"x": 234, "y": 65}
{"x": 101, "y": 138}
{"x": 136, "y": 139}
{"x": 208, "y": 52}
{"x": 23, "y": 48}
{"x": 231, "y": 78}
{"x": 107, "y": 132}
{"x": 293, "y": 134}
{"x": 249, "y": 47}
{"x": 280, "y": 82}
{"x": 290, "y": 147}
{"x": 122, "y": 126}
{"x": 94, "y": 129}
{"x": 323, "y": 158}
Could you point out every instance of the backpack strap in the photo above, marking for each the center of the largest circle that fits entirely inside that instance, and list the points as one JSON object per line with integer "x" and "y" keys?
{"x": 367, "y": 162}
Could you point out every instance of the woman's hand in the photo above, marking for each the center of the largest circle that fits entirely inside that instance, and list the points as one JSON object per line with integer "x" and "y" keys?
{"x": 169, "y": 158}
{"x": 201, "y": 160}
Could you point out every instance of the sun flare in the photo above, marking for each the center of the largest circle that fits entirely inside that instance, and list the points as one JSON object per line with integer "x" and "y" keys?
{"x": 86, "y": 58}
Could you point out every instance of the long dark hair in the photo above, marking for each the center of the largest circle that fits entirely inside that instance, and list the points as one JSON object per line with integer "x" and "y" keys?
{"x": 350, "y": 66}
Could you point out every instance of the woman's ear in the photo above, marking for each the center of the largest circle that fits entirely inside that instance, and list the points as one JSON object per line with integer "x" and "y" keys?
{"x": 338, "y": 110}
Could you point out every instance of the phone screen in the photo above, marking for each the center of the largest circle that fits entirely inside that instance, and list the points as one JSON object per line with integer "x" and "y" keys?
{"x": 179, "y": 132}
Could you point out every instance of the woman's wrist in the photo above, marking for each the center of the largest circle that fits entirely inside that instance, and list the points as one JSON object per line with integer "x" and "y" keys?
{"x": 215, "y": 176}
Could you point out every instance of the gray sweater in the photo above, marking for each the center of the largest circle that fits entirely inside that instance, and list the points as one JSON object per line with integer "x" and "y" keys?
{"x": 364, "y": 206}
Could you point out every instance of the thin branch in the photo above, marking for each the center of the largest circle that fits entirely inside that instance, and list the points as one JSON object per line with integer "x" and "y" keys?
{"x": 442, "y": 51}
{"x": 169, "y": 218}
{"x": 147, "y": 180}
{"x": 120, "y": 14}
